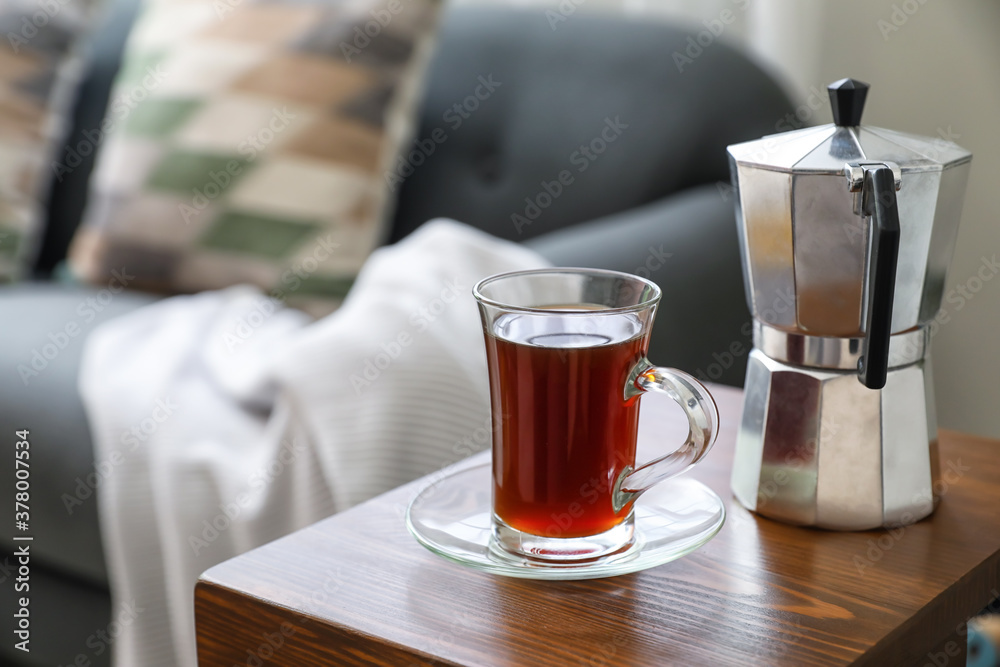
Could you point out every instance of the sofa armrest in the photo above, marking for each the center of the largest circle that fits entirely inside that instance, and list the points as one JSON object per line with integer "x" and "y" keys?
{"x": 40, "y": 350}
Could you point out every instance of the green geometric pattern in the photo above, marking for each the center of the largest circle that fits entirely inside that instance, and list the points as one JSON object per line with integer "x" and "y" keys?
{"x": 184, "y": 171}
{"x": 10, "y": 241}
{"x": 326, "y": 286}
{"x": 256, "y": 234}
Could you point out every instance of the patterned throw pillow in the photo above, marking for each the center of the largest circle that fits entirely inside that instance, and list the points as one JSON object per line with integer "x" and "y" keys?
{"x": 247, "y": 141}
{"x": 38, "y": 68}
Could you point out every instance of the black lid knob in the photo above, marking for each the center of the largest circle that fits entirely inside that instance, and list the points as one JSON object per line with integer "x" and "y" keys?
{"x": 847, "y": 98}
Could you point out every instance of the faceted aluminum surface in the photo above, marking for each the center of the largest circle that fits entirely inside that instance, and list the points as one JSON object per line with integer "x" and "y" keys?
{"x": 818, "y": 448}
{"x": 805, "y": 247}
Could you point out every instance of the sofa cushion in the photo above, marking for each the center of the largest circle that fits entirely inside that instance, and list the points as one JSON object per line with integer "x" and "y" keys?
{"x": 246, "y": 142}
{"x": 39, "y": 67}
{"x": 579, "y": 117}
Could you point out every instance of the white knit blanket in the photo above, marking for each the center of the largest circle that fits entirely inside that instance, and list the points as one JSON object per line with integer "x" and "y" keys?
{"x": 230, "y": 421}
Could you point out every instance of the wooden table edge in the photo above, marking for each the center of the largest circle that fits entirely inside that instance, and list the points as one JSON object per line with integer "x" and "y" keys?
{"x": 956, "y": 602}
{"x": 210, "y": 596}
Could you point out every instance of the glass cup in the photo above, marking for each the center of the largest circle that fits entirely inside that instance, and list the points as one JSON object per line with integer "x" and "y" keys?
{"x": 566, "y": 350}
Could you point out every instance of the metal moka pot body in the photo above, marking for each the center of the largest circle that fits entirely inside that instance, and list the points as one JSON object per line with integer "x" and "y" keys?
{"x": 846, "y": 233}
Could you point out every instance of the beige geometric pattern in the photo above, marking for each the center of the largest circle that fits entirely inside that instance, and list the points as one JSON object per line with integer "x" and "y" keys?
{"x": 251, "y": 144}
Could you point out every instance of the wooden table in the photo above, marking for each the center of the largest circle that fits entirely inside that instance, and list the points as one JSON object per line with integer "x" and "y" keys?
{"x": 356, "y": 589}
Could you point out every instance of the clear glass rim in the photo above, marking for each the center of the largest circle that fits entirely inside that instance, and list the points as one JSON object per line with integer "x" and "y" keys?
{"x": 573, "y": 270}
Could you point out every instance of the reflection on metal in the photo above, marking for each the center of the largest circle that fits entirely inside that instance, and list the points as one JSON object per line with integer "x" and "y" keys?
{"x": 818, "y": 448}
{"x": 815, "y": 446}
{"x": 800, "y": 234}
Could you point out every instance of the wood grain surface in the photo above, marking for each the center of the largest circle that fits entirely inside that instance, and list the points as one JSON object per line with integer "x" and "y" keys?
{"x": 357, "y": 589}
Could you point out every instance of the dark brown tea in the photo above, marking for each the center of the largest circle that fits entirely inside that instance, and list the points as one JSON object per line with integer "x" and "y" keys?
{"x": 563, "y": 429}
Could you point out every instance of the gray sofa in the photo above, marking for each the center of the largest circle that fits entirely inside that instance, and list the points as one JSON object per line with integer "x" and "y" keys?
{"x": 647, "y": 201}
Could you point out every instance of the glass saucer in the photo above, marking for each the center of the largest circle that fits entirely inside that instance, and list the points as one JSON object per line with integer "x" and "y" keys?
{"x": 451, "y": 517}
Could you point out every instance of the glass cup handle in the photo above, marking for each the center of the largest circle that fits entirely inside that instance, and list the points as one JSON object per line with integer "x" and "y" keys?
{"x": 703, "y": 420}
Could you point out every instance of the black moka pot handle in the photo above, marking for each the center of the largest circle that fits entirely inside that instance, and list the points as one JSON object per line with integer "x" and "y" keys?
{"x": 879, "y": 202}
